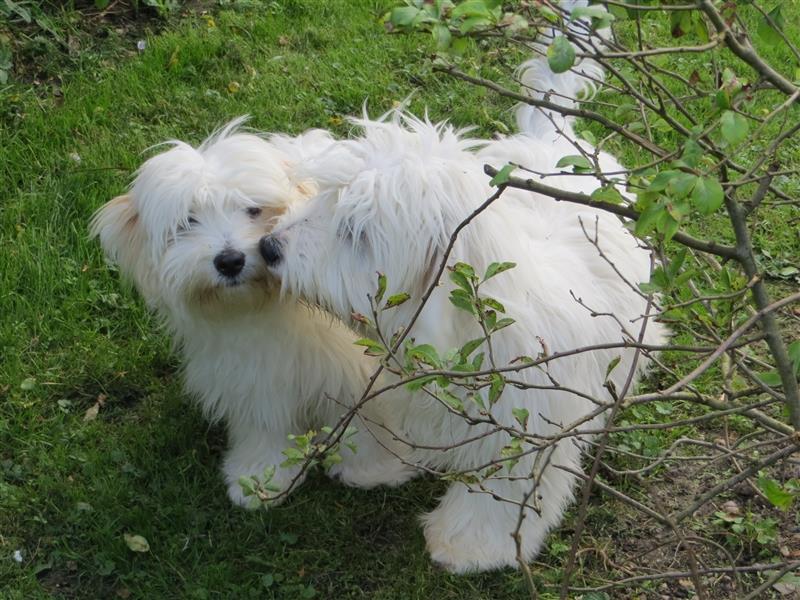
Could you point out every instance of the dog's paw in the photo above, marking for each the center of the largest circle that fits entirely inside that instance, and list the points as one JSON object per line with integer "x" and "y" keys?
{"x": 280, "y": 482}
{"x": 467, "y": 547}
{"x": 390, "y": 472}
{"x": 237, "y": 496}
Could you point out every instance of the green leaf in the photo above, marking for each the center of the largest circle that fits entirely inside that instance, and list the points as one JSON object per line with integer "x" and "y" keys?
{"x": 502, "y": 323}
{"x": 612, "y": 365}
{"x": 473, "y": 23}
{"x": 668, "y": 226}
{"x": 459, "y": 46}
{"x": 596, "y": 595}
{"x": 248, "y": 485}
{"x": 442, "y": 37}
{"x": 548, "y": 13}
{"x": 460, "y": 300}
{"x": 767, "y": 32}
{"x": 722, "y": 99}
{"x": 607, "y": 193}
{"x": 293, "y": 456}
{"x": 775, "y": 493}
{"x": 464, "y": 269}
{"x": 647, "y": 220}
{"x": 470, "y": 347}
{"x": 404, "y": 16}
{"x": 681, "y": 185}
{"x": 472, "y": 8}
{"x": 625, "y": 111}
{"x": 771, "y": 378}
{"x": 560, "y": 55}
{"x": 493, "y": 304}
{"x": 587, "y": 135}
{"x": 381, "y": 287}
{"x": 502, "y": 176}
{"x": 701, "y": 29}
{"x": 662, "y": 180}
{"x": 461, "y": 281}
{"x": 477, "y": 400}
{"x": 521, "y": 415}
{"x": 496, "y": 387}
{"x": 418, "y": 384}
{"x": 451, "y": 400}
{"x": 425, "y": 353}
{"x": 137, "y": 543}
{"x": 576, "y": 161}
{"x": 794, "y": 354}
{"x": 595, "y": 12}
{"x": 373, "y": 348}
{"x": 396, "y": 300}
{"x": 692, "y": 153}
{"x": 707, "y": 195}
{"x": 269, "y": 472}
{"x": 495, "y": 268}
{"x": 734, "y": 127}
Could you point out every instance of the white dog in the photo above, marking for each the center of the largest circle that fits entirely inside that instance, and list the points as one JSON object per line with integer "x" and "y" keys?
{"x": 389, "y": 201}
{"x": 187, "y": 234}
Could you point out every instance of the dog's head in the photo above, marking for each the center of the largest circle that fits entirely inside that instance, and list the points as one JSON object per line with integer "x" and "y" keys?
{"x": 388, "y": 202}
{"x": 187, "y": 231}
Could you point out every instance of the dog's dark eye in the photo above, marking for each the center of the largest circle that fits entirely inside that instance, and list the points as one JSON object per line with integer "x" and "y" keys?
{"x": 253, "y": 211}
{"x": 188, "y": 224}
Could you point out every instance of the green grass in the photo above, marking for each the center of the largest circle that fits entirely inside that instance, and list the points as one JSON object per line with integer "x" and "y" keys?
{"x": 149, "y": 464}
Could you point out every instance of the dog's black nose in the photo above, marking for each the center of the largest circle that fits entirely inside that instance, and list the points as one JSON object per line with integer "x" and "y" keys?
{"x": 270, "y": 248}
{"x": 229, "y": 262}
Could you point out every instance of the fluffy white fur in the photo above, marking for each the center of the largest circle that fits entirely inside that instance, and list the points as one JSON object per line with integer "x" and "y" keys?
{"x": 388, "y": 201}
{"x": 264, "y": 366}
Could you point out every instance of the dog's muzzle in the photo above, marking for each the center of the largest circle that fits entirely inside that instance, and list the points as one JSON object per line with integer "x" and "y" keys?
{"x": 271, "y": 250}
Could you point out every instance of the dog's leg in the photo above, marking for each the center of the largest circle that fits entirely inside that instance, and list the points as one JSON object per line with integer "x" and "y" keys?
{"x": 378, "y": 460}
{"x": 253, "y": 448}
{"x": 471, "y": 530}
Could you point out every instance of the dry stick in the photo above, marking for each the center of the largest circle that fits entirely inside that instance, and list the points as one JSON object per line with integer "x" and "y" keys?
{"x": 756, "y": 593}
{"x": 617, "y": 494}
{"x": 778, "y": 30}
{"x": 745, "y": 51}
{"x": 563, "y": 110}
{"x": 698, "y": 582}
{"x": 660, "y": 7}
{"x": 729, "y": 483}
{"x": 587, "y": 487}
{"x": 652, "y": 52}
{"x": 702, "y": 367}
{"x": 683, "y": 574}
{"x": 769, "y": 322}
{"x": 755, "y": 414}
{"x": 617, "y": 209}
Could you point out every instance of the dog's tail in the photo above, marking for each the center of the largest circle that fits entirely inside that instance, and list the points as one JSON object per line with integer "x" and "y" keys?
{"x": 539, "y": 82}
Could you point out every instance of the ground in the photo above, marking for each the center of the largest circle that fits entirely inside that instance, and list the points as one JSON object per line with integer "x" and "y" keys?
{"x": 84, "y": 102}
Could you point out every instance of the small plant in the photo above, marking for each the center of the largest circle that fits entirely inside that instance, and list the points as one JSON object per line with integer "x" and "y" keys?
{"x": 164, "y": 8}
{"x": 746, "y": 528}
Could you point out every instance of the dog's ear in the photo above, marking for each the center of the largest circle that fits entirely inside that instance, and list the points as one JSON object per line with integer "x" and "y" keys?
{"x": 124, "y": 242}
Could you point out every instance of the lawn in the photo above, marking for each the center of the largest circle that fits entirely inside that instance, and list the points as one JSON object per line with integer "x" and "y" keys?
{"x": 74, "y": 483}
